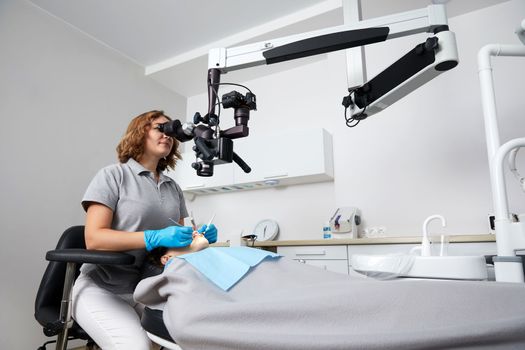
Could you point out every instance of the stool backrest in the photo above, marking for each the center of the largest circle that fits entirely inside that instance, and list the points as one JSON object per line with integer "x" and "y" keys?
{"x": 49, "y": 295}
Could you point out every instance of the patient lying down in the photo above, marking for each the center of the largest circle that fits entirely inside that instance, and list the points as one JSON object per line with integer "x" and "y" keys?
{"x": 282, "y": 304}
{"x": 161, "y": 256}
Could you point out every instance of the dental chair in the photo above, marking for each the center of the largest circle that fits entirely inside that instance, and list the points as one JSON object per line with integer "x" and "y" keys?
{"x": 53, "y": 299}
{"x": 153, "y": 324}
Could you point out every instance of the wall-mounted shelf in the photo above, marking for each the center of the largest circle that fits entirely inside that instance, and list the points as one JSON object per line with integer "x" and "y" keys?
{"x": 280, "y": 159}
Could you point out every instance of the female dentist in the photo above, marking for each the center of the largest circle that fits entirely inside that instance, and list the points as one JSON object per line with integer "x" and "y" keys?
{"x": 130, "y": 206}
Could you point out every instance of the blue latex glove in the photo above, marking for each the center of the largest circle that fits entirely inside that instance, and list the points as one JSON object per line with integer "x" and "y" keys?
{"x": 210, "y": 233}
{"x": 171, "y": 237}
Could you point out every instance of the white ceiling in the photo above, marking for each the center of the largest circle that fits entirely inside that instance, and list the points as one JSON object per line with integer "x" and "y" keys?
{"x": 171, "y": 38}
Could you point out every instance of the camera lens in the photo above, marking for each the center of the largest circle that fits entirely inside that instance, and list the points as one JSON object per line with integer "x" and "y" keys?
{"x": 203, "y": 168}
{"x": 241, "y": 116}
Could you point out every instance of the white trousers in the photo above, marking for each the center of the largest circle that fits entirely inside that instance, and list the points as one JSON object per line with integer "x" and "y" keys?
{"x": 111, "y": 320}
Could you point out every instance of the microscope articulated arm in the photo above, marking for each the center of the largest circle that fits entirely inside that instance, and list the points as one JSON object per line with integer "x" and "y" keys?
{"x": 423, "y": 63}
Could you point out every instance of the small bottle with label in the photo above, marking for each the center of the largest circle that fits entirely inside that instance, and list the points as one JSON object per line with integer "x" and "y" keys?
{"x": 327, "y": 231}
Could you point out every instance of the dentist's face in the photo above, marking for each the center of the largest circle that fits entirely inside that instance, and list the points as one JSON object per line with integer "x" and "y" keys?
{"x": 157, "y": 143}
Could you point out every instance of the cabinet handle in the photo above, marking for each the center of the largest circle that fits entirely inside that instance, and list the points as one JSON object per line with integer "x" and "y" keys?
{"x": 276, "y": 176}
{"x": 195, "y": 186}
{"x": 322, "y": 252}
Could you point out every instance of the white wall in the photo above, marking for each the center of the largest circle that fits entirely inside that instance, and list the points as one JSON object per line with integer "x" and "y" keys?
{"x": 65, "y": 101}
{"x": 422, "y": 156}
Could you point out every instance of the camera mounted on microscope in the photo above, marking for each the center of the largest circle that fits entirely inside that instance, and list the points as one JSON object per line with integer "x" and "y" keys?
{"x": 219, "y": 150}
{"x": 212, "y": 145}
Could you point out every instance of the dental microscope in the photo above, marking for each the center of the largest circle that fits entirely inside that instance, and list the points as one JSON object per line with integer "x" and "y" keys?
{"x": 427, "y": 60}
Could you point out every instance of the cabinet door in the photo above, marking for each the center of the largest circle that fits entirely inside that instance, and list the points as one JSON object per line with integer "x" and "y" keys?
{"x": 291, "y": 157}
{"x": 340, "y": 266}
{"x": 267, "y": 158}
{"x": 314, "y": 252}
{"x": 309, "y": 153}
{"x": 254, "y": 153}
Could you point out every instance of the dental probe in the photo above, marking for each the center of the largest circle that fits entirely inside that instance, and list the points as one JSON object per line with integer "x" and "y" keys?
{"x": 209, "y": 222}
{"x": 193, "y": 222}
{"x": 175, "y": 222}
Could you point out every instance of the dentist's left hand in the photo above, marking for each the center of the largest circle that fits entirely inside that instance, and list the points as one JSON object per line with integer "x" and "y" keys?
{"x": 171, "y": 237}
{"x": 210, "y": 233}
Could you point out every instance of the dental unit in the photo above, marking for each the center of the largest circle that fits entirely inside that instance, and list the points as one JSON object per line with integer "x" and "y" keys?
{"x": 510, "y": 236}
{"x": 424, "y": 265}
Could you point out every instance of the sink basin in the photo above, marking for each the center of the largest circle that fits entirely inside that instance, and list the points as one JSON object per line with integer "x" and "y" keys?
{"x": 436, "y": 267}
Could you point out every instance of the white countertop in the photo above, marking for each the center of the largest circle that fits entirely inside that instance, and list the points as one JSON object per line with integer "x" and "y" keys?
{"x": 378, "y": 240}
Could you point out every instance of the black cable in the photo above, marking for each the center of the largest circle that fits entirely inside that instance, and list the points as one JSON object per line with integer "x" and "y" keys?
{"x": 216, "y": 91}
{"x": 245, "y": 87}
{"x": 350, "y": 120}
{"x": 357, "y": 118}
{"x": 43, "y": 346}
{"x": 347, "y": 102}
{"x": 218, "y": 102}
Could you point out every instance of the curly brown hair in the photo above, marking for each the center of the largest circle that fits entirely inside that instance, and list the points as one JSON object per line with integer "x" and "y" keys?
{"x": 132, "y": 143}
{"x": 154, "y": 256}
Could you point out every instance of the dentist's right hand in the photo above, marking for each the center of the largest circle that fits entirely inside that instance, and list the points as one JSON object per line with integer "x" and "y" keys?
{"x": 170, "y": 237}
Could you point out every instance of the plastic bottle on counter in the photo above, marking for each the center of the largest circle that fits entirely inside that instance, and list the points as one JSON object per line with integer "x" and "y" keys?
{"x": 327, "y": 231}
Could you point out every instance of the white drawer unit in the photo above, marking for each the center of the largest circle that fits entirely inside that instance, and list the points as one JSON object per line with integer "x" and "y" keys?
{"x": 380, "y": 249}
{"x": 337, "y": 257}
{"x": 315, "y": 252}
{"x": 331, "y": 258}
{"x": 340, "y": 266}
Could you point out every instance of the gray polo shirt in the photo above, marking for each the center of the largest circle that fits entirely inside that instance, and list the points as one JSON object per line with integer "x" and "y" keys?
{"x": 138, "y": 203}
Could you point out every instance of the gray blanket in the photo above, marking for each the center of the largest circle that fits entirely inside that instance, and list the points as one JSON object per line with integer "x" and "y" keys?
{"x": 282, "y": 304}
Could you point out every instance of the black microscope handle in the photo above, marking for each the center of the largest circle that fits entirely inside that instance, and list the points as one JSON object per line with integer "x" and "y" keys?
{"x": 245, "y": 167}
{"x": 207, "y": 153}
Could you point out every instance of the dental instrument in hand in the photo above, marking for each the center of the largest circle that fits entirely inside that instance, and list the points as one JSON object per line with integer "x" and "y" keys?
{"x": 193, "y": 222}
{"x": 175, "y": 222}
{"x": 209, "y": 222}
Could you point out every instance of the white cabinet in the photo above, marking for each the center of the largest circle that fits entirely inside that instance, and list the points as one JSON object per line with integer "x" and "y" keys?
{"x": 331, "y": 258}
{"x": 277, "y": 159}
{"x": 287, "y": 157}
{"x": 339, "y": 266}
{"x": 337, "y": 258}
